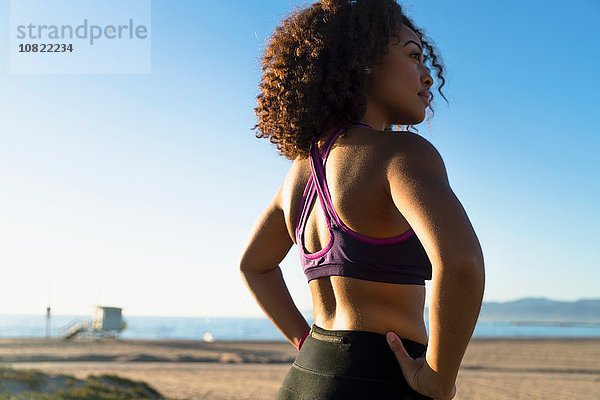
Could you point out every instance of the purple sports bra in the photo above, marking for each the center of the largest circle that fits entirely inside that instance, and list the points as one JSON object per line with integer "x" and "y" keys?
{"x": 398, "y": 259}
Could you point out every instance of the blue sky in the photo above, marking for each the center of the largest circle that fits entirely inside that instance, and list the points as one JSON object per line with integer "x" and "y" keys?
{"x": 139, "y": 191}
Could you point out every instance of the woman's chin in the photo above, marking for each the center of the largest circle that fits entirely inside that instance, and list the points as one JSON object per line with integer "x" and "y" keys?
{"x": 415, "y": 119}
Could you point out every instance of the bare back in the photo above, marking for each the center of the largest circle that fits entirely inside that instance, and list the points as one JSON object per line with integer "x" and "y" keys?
{"x": 360, "y": 193}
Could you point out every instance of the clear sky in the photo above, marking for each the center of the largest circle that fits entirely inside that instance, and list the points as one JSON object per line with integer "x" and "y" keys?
{"x": 139, "y": 191}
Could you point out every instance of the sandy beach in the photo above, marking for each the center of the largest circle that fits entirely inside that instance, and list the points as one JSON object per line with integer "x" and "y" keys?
{"x": 493, "y": 369}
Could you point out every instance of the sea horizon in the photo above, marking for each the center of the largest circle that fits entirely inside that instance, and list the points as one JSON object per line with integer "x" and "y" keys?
{"x": 257, "y": 328}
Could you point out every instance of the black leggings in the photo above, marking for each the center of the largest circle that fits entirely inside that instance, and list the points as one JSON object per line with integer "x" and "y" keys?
{"x": 343, "y": 364}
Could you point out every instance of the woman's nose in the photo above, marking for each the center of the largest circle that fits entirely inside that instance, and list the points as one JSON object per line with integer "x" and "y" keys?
{"x": 427, "y": 79}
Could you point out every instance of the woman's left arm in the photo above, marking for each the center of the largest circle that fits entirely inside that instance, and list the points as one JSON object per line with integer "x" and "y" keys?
{"x": 267, "y": 246}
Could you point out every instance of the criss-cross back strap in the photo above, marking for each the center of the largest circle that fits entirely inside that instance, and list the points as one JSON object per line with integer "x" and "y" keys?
{"x": 311, "y": 188}
{"x": 318, "y": 173}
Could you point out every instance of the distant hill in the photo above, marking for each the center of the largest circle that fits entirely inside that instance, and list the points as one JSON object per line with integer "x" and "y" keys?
{"x": 535, "y": 309}
{"x": 540, "y": 309}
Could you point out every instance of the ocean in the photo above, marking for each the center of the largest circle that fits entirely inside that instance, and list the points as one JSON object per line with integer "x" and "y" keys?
{"x": 213, "y": 328}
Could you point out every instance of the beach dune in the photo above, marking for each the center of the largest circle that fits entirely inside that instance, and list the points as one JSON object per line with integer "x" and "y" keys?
{"x": 493, "y": 369}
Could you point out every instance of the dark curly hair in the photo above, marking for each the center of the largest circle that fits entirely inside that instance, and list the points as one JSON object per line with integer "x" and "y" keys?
{"x": 314, "y": 69}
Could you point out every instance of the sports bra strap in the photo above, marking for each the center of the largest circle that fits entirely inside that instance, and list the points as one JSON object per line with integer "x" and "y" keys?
{"x": 318, "y": 171}
{"x": 329, "y": 142}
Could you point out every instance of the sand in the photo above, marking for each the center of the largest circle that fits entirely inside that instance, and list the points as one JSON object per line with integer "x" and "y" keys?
{"x": 492, "y": 369}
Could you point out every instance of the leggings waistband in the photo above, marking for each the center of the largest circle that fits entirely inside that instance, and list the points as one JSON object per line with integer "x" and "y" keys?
{"x": 365, "y": 338}
{"x": 351, "y": 355}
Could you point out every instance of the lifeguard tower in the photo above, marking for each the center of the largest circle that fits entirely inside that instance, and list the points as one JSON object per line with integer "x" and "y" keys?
{"x": 106, "y": 322}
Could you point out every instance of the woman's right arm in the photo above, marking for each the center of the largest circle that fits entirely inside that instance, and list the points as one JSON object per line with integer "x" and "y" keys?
{"x": 419, "y": 187}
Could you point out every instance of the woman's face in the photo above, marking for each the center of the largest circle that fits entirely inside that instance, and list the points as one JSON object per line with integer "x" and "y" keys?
{"x": 395, "y": 83}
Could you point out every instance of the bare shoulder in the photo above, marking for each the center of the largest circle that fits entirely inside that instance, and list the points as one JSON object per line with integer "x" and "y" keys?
{"x": 419, "y": 187}
{"x": 293, "y": 174}
{"x": 290, "y": 192}
{"x": 411, "y": 153}
{"x": 298, "y": 170}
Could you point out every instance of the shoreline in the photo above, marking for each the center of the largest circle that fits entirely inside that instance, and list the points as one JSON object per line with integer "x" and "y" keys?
{"x": 474, "y": 339}
{"x": 22, "y": 350}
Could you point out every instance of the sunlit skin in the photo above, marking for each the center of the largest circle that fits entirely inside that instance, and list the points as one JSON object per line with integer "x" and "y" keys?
{"x": 393, "y": 92}
{"x": 372, "y": 174}
{"x": 357, "y": 186}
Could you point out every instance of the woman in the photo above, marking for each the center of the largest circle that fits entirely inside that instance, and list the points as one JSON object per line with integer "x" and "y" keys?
{"x": 337, "y": 76}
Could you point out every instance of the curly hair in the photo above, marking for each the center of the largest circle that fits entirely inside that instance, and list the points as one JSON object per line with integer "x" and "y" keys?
{"x": 314, "y": 69}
